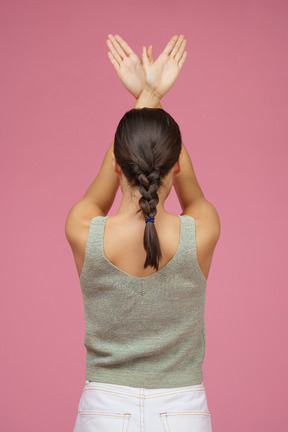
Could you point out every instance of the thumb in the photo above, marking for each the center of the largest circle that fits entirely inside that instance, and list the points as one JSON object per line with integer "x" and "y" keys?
{"x": 150, "y": 54}
{"x": 144, "y": 56}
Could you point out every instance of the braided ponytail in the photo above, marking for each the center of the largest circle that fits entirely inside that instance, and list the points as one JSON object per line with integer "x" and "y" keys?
{"x": 147, "y": 145}
{"x": 148, "y": 187}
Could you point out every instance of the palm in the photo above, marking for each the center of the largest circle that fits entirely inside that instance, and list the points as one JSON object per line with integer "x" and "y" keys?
{"x": 132, "y": 75}
{"x": 127, "y": 64}
{"x": 161, "y": 74}
{"x": 136, "y": 74}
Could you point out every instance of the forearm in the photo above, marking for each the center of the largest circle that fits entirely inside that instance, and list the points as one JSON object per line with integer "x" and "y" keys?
{"x": 103, "y": 189}
{"x": 185, "y": 183}
{"x": 148, "y": 99}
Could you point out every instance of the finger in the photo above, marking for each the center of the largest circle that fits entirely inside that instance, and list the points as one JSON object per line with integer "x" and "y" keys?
{"x": 150, "y": 54}
{"x": 181, "y": 62}
{"x": 117, "y": 46}
{"x": 176, "y": 46}
{"x": 170, "y": 45}
{"x": 113, "y": 51}
{"x": 144, "y": 56}
{"x": 113, "y": 61}
{"x": 124, "y": 45}
{"x": 181, "y": 50}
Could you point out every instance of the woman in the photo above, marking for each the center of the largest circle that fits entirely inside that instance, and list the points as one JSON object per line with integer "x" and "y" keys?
{"x": 143, "y": 280}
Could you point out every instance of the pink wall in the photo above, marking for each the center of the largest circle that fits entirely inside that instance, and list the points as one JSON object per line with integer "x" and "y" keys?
{"x": 60, "y": 104}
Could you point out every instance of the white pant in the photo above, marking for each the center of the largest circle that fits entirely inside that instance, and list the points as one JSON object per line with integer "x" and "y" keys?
{"x": 116, "y": 408}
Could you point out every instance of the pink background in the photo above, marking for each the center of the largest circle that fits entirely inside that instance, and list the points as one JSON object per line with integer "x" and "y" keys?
{"x": 61, "y": 101}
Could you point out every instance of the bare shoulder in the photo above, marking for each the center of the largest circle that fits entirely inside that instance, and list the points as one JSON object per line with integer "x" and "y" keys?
{"x": 79, "y": 218}
{"x": 207, "y": 224}
{"x": 77, "y": 228}
{"x": 206, "y": 217}
{"x": 207, "y": 231}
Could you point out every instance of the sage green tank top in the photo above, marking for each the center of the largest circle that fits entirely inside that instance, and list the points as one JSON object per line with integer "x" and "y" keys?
{"x": 147, "y": 331}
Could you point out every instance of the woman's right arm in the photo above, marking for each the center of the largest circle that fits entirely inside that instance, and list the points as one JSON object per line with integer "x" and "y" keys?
{"x": 161, "y": 76}
{"x": 186, "y": 184}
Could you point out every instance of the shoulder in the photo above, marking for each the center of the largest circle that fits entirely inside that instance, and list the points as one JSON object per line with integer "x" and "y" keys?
{"x": 206, "y": 218}
{"x": 78, "y": 220}
{"x": 77, "y": 228}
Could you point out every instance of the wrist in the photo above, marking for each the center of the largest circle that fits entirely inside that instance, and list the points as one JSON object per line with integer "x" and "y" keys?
{"x": 148, "y": 98}
{"x": 149, "y": 90}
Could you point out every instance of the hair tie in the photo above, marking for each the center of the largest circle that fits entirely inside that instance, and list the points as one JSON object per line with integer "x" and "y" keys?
{"x": 150, "y": 219}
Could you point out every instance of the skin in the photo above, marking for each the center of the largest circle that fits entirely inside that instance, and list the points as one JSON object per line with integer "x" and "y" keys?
{"x": 148, "y": 81}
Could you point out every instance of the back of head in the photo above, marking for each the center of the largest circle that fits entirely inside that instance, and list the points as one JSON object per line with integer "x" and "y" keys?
{"x": 147, "y": 145}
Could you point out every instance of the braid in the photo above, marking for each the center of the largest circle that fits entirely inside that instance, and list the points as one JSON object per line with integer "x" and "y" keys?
{"x": 147, "y": 144}
{"x": 148, "y": 187}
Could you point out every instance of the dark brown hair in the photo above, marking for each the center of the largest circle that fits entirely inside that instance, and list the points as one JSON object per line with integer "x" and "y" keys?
{"x": 147, "y": 145}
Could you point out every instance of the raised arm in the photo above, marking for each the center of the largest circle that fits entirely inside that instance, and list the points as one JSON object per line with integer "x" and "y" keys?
{"x": 101, "y": 193}
{"x": 160, "y": 77}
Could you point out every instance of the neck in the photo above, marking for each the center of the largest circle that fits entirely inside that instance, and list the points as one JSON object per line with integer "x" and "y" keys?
{"x": 130, "y": 203}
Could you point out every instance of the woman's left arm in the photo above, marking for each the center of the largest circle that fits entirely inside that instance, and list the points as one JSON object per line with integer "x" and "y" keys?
{"x": 100, "y": 195}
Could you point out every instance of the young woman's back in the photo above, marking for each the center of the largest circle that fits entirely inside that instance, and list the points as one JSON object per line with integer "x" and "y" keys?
{"x": 123, "y": 241}
{"x": 143, "y": 272}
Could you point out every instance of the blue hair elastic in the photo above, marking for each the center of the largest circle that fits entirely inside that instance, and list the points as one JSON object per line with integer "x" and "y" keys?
{"x": 150, "y": 219}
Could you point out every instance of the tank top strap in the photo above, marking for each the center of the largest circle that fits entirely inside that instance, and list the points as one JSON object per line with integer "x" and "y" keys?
{"x": 94, "y": 247}
{"x": 97, "y": 234}
{"x": 185, "y": 257}
{"x": 189, "y": 248}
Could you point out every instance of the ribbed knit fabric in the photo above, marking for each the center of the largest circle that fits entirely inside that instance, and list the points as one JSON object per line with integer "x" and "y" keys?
{"x": 149, "y": 331}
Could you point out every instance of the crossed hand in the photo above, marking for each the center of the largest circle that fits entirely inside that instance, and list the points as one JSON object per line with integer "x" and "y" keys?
{"x": 136, "y": 75}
